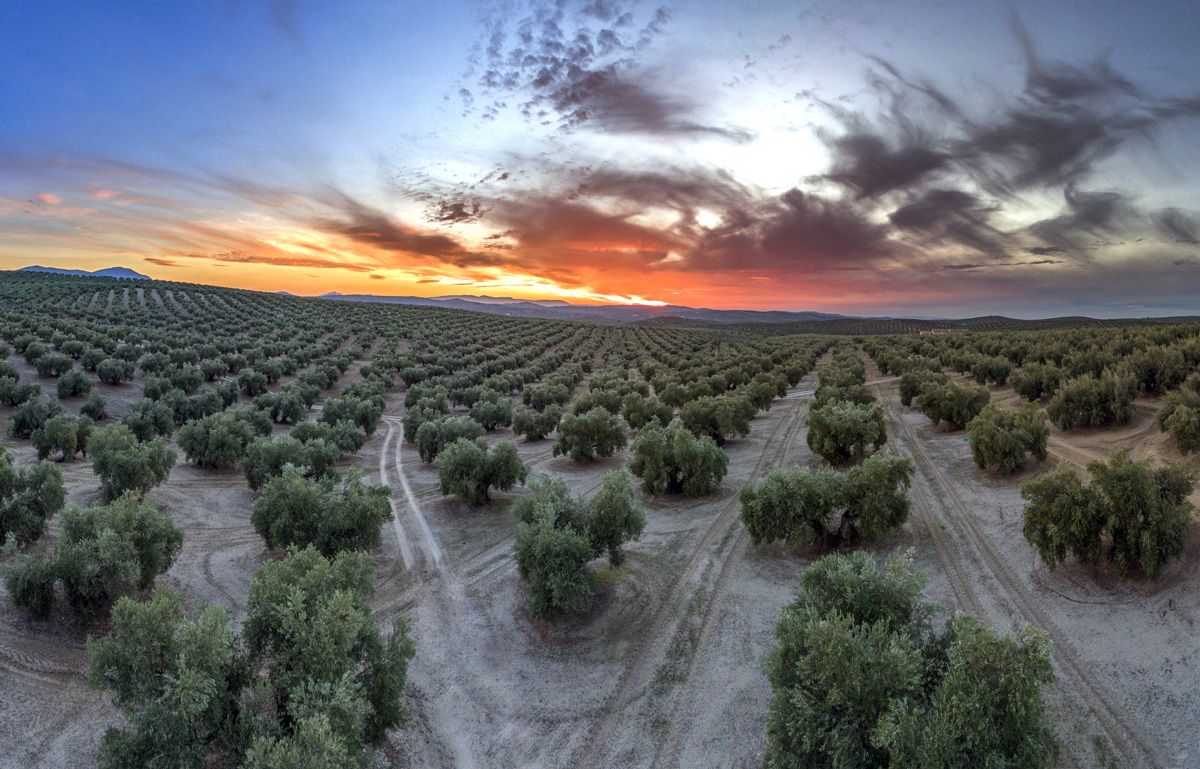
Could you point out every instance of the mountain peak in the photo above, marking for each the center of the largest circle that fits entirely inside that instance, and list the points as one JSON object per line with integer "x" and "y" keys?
{"x": 121, "y": 273}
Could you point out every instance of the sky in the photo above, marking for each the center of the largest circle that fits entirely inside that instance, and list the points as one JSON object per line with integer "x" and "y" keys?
{"x": 885, "y": 158}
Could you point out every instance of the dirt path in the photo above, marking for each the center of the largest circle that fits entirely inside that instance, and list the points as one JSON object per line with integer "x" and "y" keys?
{"x": 696, "y": 589}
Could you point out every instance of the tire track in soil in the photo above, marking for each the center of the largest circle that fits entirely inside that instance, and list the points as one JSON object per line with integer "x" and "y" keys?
{"x": 965, "y": 597}
{"x": 406, "y": 553}
{"x": 639, "y": 674}
{"x": 670, "y": 747}
{"x": 1136, "y": 747}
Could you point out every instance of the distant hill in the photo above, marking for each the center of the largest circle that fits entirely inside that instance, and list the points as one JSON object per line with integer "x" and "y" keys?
{"x": 121, "y": 273}
{"x": 556, "y": 309}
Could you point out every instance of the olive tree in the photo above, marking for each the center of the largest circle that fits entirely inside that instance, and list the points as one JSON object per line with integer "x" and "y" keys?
{"x": 1001, "y": 438}
{"x": 436, "y": 434}
{"x": 1035, "y": 381}
{"x": 469, "y": 470}
{"x": 558, "y": 534}
{"x": 29, "y": 497}
{"x": 295, "y": 510}
{"x": 1133, "y": 513}
{"x": 536, "y": 425}
{"x": 492, "y": 410}
{"x": 828, "y": 507}
{"x": 840, "y": 431}
{"x": 1179, "y": 415}
{"x": 126, "y": 464}
{"x": 218, "y": 440}
{"x": 952, "y": 404}
{"x": 114, "y": 371}
{"x": 73, "y": 384}
{"x": 266, "y": 458}
{"x": 597, "y": 433}
{"x": 720, "y": 418}
{"x": 673, "y": 460}
{"x": 63, "y": 433}
{"x": 1091, "y": 402}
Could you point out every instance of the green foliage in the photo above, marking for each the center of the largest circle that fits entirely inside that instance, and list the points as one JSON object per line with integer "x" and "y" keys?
{"x": 311, "y": 683}
{"x": 106, "y": 552}
{"x": 469, "y": 470}
{"x": 63, "y": 433}
{"x": 114, "y": 371}
{"x": 841, "y": 430}
{"x": 638, "y": 410}
{"x": 861, "y": 680}
{"x": 492, "y": 410}
{"x": 73, "y": 384}
{"x": 597, "y": 433}
{"x": 536, "y": 425}
{"x": 1091, "y": 402}
{"x": 553, "y": 560}
{"x": 672, "y": 460}
{"x": 876, "y": 496}
{"x": 827, "y": 506}
{"x": 1136, "y": 515}
{"x": 721, "y": 419}
{"x": 436, "y": 434}
{"x": 172, "y": 676}
{"x": 1158, "y": 369}
{"x": 792, "y": 505}
{"x": 218, "y": 440}
{"x": 94, "y": 407}
{"x": 615, "y": 517}
{"x": 991, "y": 369}
{"x": 1035, "y": 381}
{"x": 1001, "y": 437}
{"x": 29, "y": 497}
{"x": 986, "y": 711}
{"x": 266, "y": 458}
{"x": 30, "y": 582}
{"x": 310, "y": 634}
{"x": 1179, "y": 415}
{"x": 912, "y": 382}
{"x": 125, "y": 464}
{"x": 32, "y": 415}
{"x": 148, "y": 418}
{"x": 558, "y": 534}
{"x": 301, "y": 511}
{"x": 953, "y": 404}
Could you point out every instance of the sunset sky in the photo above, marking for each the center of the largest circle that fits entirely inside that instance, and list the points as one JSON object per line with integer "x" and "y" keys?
{"x": 931, "y": 158}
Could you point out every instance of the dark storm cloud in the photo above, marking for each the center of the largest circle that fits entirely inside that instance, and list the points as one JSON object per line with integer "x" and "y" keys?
{"x": 868, "y": 165}
{"x": 1088, "y": 215}
{"x": 1178, "y": 226}
{"x": 950, "y": 216}
{"x": 1066, "y": 120}
{"x": 369, "y": 226}
{"x": 797, "y": 231}
{"x": 576, "y": 66}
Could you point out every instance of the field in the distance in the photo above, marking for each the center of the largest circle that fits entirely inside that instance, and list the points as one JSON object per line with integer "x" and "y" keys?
{"x": 666, "y": 668}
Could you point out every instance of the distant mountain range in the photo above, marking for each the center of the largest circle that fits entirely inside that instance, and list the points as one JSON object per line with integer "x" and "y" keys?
{"x": 122, "y": 273}
{"x": 556, "y": 309}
